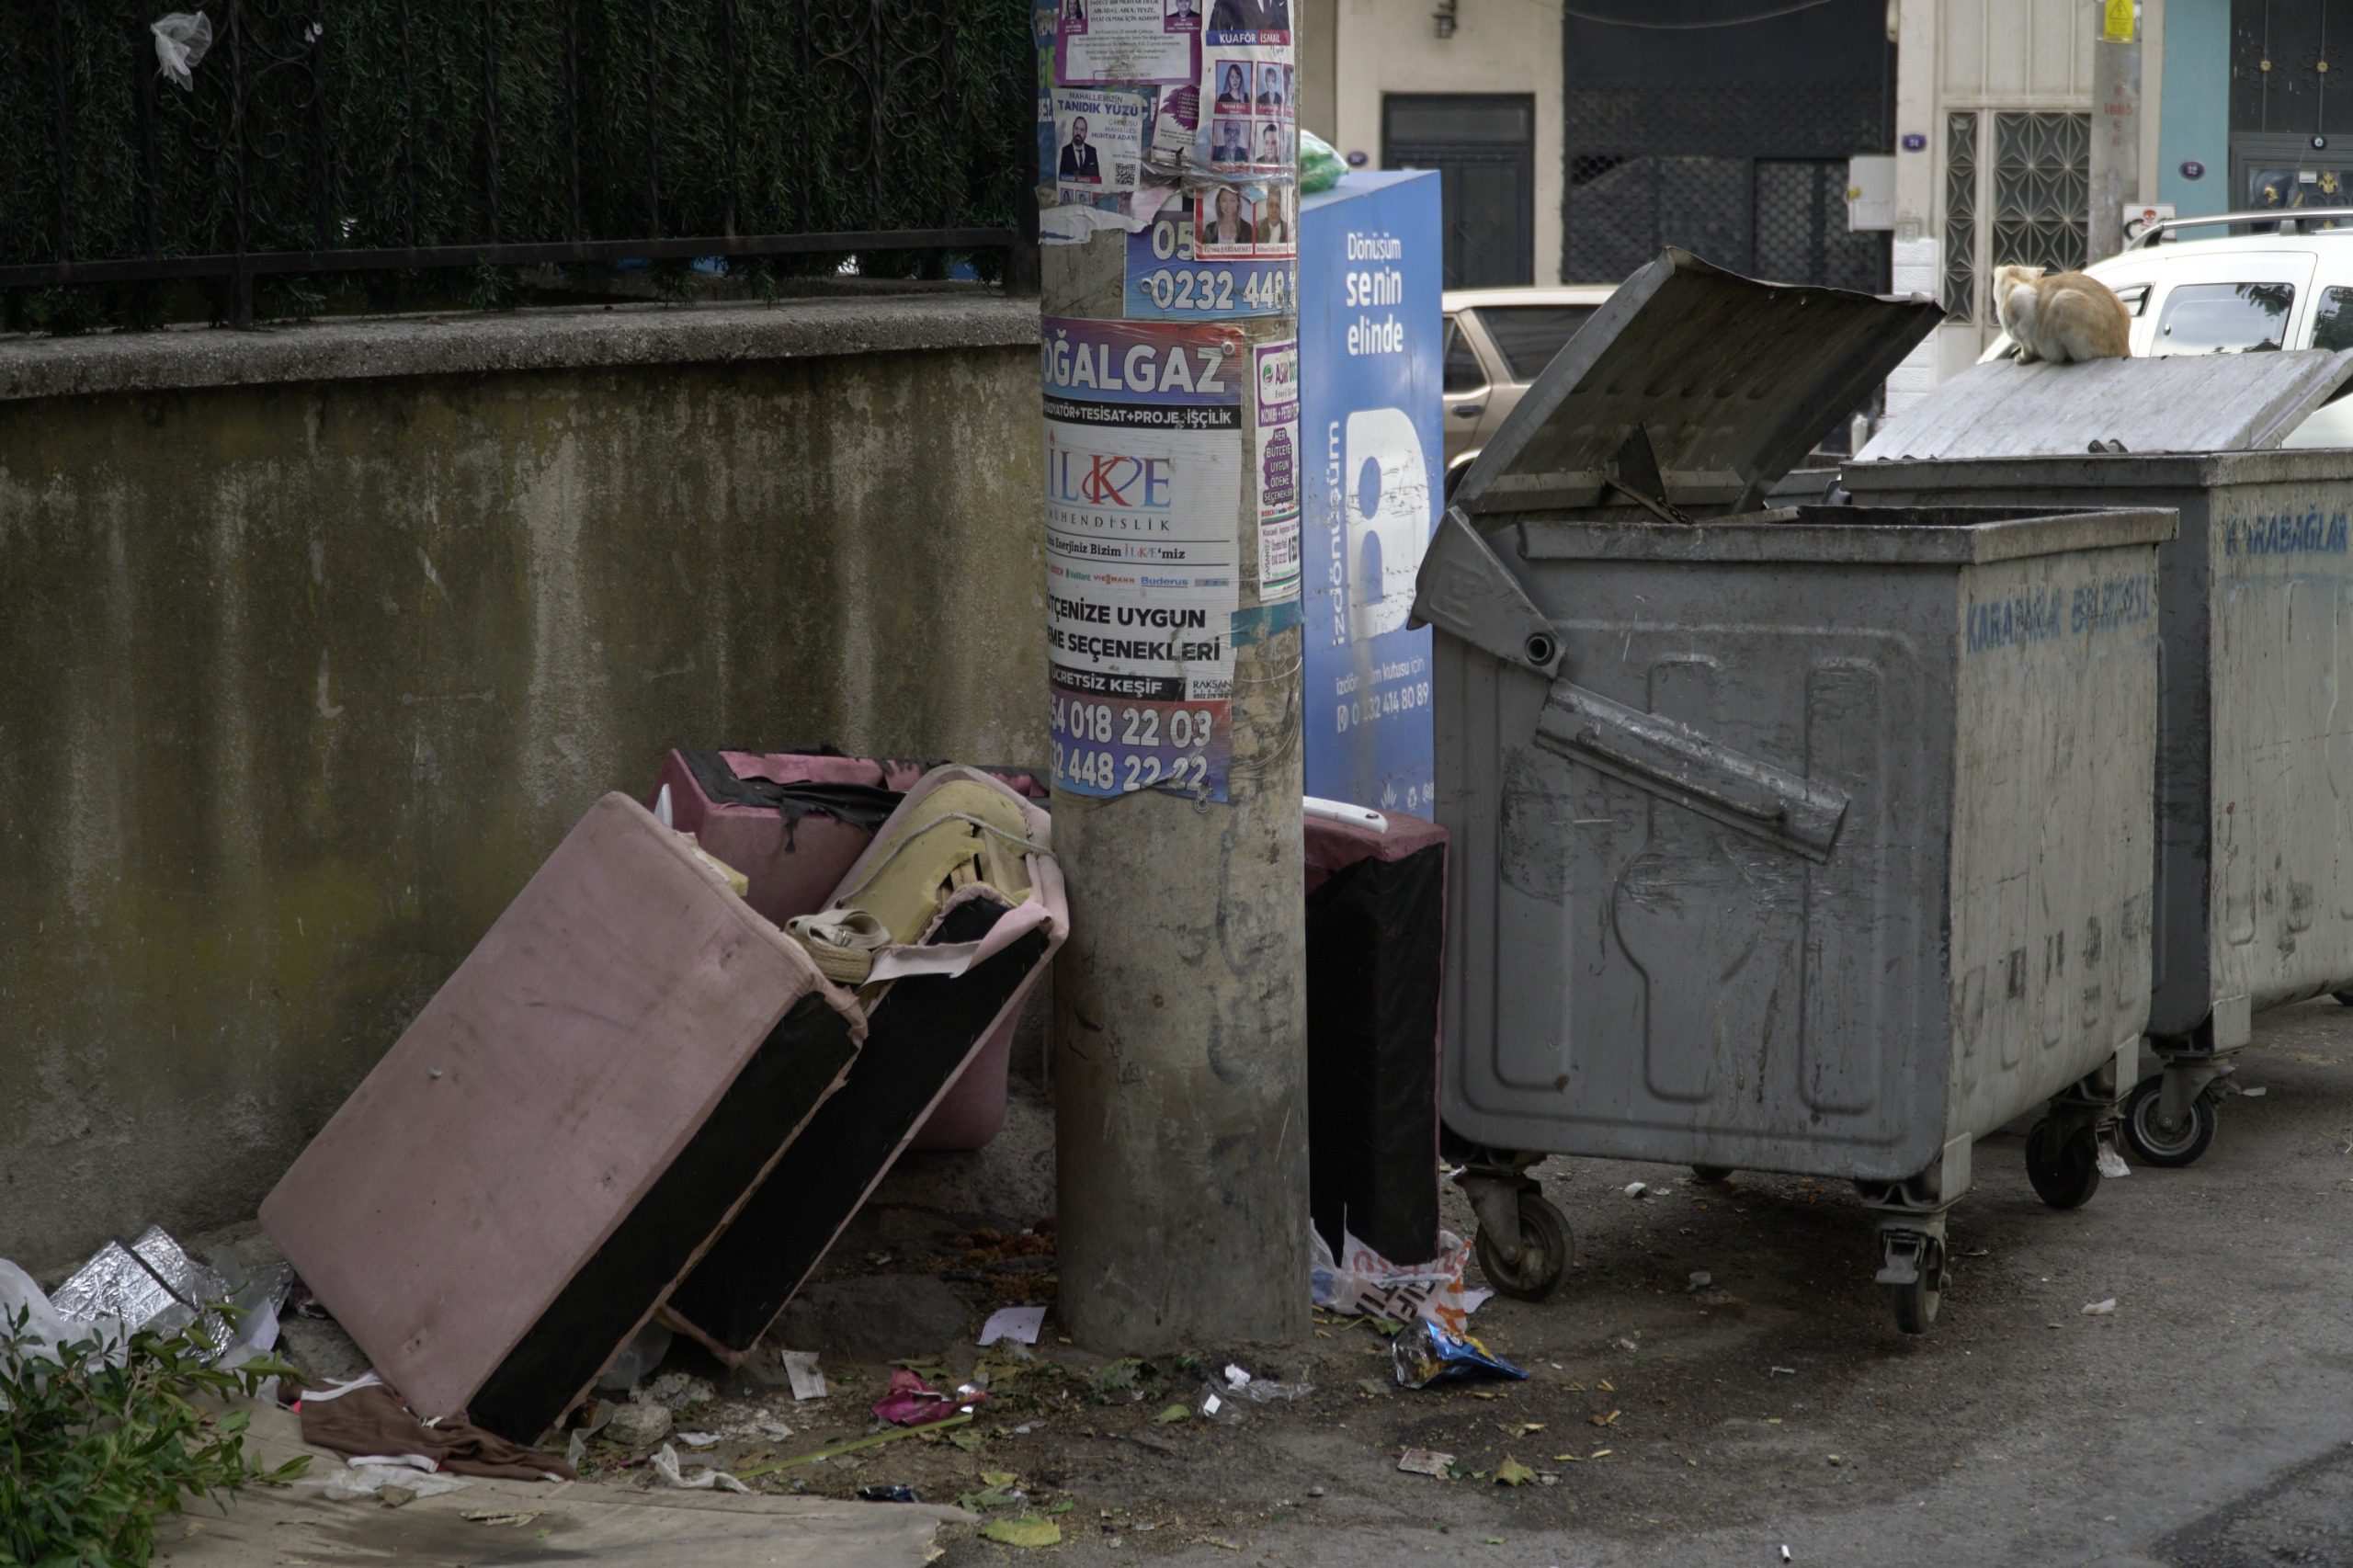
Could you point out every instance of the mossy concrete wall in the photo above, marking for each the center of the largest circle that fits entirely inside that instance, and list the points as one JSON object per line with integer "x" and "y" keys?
{"x": 301, "y": 679}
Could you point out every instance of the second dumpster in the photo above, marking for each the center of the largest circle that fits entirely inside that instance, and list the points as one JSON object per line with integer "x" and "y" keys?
{"x": 2255, "y": 756}
{"x": 1803, "y": 841}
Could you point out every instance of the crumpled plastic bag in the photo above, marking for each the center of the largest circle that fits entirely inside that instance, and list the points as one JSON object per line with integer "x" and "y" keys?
{"x": 665, "y": 1465}
{"x": 182, "y": 39}
{"x": 365, "y": 1478}
{"x": 1365, "y": 1284}
{"x": 635, "y": 1361}
{"x": 1320, "y": 167}
{"x": 911, "y": 1403}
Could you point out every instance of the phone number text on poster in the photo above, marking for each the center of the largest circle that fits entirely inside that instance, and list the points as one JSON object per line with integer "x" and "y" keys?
{"x": 1113, "y": 749}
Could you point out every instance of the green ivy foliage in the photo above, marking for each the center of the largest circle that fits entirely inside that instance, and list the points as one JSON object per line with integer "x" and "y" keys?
{"x": 459, "y": 122}
{"x": 96, "y": 1452}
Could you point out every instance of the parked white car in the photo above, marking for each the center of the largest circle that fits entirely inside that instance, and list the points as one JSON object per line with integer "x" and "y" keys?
{"x": 2240, "y": 294}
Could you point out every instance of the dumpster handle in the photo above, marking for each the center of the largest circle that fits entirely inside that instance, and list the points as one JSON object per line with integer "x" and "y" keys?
{"x": 1465, "y": 590}
{"x": 1590, "y": 739}
{"x": 1668, "y": 758}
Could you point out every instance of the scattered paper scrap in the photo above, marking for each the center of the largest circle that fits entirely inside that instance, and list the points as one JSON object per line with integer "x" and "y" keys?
{"x": 1425, "y": 1461}
{"x": 665, "y": 1465}
{"x": 2111, "y": 1164}
{"x": 808, "y": 1382}
{"x": 1019, "y": 1324}
{"x": 2101, "y": 1309}
{"x": 699, "y": 1439}
{"x": 1235, "y": 1378}
{"x": 1637, "y": 1188}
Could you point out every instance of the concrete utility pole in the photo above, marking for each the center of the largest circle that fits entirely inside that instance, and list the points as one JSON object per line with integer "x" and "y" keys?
{"x": 2116, "y": 123}
{"x": 1168, "y": 193}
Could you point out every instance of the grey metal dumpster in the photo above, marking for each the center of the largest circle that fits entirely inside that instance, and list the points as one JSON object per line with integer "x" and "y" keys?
{"x": 2254, "y": 777}
{"x": 1808, "y": 840}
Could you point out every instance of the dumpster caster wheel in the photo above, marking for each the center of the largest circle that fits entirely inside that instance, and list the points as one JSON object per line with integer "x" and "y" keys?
{"x": 2161, "y": 1145}
{"x": 1916, "y": 1299}
{"x": 1544, "y": 1247}
{"x": 2063, "y": 1167}
{"x": 1713, "y": 1175}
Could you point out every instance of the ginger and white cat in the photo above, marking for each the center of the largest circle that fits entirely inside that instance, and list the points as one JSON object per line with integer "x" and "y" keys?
{"x": 2060, "y": 317}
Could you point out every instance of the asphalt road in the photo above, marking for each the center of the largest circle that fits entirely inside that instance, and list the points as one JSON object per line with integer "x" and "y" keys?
{"x": 2207, "y": 1423}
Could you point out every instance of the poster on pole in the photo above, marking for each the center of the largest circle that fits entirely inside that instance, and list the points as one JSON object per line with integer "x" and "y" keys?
{"x": 1175, "y": 123}
{"x": 1143, "y": 486}
{"x": 1098, "y": 142}
{"x": 1099, "y": 42}
{"x": 1167, "y": 281}
{"x": 1250, "y": 125}
{"x": 1249, "y": 22}
{"x": 1276, "y": 480}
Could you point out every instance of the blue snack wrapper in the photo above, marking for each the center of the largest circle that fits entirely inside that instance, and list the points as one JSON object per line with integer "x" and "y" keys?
{"x": 1426, "y": 1353}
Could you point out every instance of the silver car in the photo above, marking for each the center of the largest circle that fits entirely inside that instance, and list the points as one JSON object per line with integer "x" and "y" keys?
{"x": 1497, "y": 342}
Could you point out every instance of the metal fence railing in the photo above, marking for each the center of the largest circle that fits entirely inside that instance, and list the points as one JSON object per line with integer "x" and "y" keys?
{"x": 384, "y": 136}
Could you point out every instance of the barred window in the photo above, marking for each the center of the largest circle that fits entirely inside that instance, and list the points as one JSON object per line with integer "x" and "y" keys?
{"x": 2018, "y": 190}
{"x": 1961, "y": 216}
{"x": 2042, "y": 190}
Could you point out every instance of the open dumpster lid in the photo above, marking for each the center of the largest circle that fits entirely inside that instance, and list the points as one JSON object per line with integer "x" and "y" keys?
{"x": 1692, "y": 390}
{"x": 2185, "y": 402}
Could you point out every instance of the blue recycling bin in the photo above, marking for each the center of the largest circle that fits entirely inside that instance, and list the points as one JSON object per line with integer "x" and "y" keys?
{"x": 1371, "y": 340}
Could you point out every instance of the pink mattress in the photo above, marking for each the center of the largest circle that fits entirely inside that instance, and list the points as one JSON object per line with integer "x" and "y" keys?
{"x": 959, "y": 988}
{"x": 557, "y": 1138}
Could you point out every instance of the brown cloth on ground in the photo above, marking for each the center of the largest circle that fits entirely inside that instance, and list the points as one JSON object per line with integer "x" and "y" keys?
{"x": 369, "y": 1422}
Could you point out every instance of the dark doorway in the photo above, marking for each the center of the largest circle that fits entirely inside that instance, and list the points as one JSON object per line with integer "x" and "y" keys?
{"x": 1483, "y": 145}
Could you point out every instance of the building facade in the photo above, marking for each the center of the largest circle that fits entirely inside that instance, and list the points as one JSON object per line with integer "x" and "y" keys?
{"x": 2257, "y": 105}
{"x": 1579, "y": 138}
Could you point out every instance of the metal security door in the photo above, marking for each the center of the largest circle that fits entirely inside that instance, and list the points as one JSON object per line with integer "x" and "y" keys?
{"x": 1483, "y": 146}
{"x": 1725, "y": 130}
